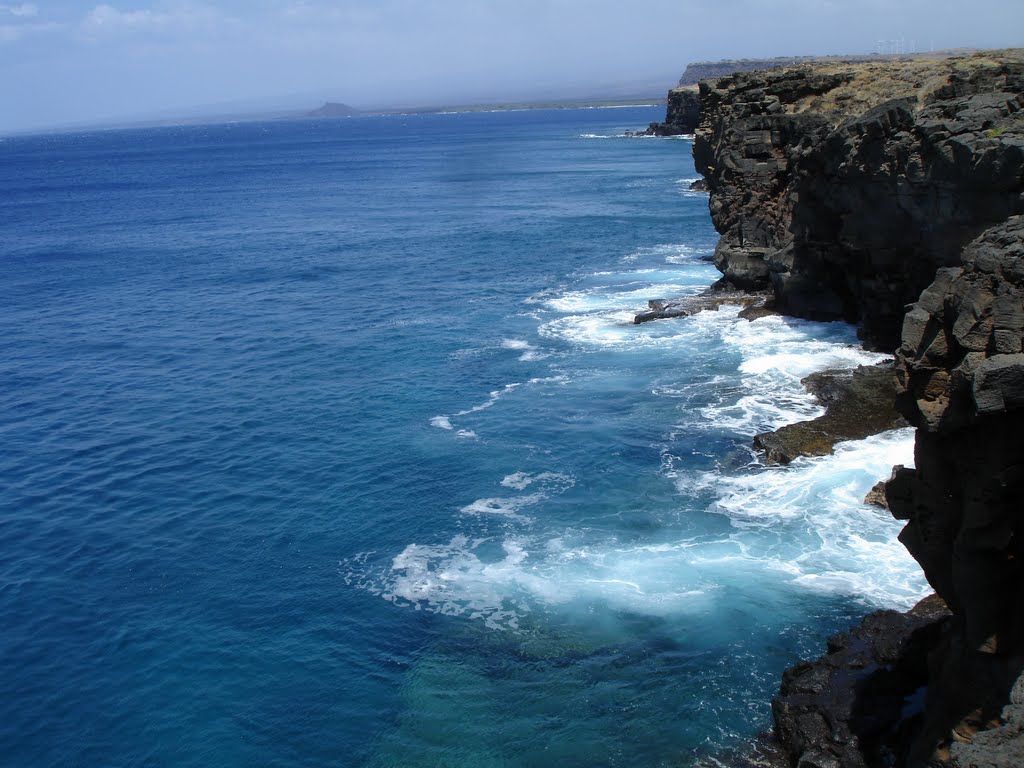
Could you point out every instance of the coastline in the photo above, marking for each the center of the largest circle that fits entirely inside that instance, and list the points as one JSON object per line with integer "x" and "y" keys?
{"x": 804, "y": 167}
{"x": 671, "y": 573}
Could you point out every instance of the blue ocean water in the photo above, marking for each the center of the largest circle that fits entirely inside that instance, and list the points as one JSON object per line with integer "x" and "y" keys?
{"x": 332, "y": 443}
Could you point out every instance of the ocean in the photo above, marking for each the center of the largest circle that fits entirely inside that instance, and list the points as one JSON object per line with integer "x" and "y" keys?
{"x": 332, "y": 443}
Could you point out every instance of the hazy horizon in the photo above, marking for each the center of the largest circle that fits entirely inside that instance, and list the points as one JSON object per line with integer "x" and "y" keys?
{"x": 81, "y": 62}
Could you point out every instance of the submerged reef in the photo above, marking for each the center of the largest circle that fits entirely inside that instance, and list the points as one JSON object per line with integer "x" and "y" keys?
{"x": 890, "y": 194}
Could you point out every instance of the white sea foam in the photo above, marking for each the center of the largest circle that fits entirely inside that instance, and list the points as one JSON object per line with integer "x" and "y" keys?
{"x": 494, "y": 396}
{"x": 517, "y": 480}
{"x": 529, "y": 352}
{"x": 684, "y": 187}
{"x": 444, "y": 421}
{"x": 592, "y": 300}
{"x": 775, "y": 354}
{"x": 508, "y": 506}
{"x": 614, "y": 329}
{"x": 602, "y": 315}
{"x": 687, "y": 258}
{"x": 652, "y": 281}
{"x": 522, "y": 480}
{"x": 803, "y": 526}
{"x": 672, "y": 253}
{"x": 809, "y": 521}
{"x": 606, "y": 329}
{"x": 790, "y": 529}
{"x": 557, "y": 379}
{"x": 547, "y": 484}
{"x": 453, "y": 579}
{"x": 500, "y": 582}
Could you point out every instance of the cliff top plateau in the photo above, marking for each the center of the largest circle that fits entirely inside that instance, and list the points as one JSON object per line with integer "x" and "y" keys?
{"x": 703, "y": 70}
{"x": 844, "y": 89}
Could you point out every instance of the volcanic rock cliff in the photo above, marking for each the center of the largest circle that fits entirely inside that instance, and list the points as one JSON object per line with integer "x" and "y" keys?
{"x": 845, "y": 187}
{"x": 682, "y": 113}
{"x": 891, "y": 195}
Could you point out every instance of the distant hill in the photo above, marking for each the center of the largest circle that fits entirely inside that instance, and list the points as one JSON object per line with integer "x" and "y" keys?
{"x": 333, "y": 109}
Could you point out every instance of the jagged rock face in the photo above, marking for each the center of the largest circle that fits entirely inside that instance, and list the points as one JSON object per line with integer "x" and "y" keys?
{"x": 892, "y": 196}
{"x": 961, "y": 382}
{"x": 961, "y": 376}
{"x": 960, "y": 353}
{"x": 859, "y": 705}
{"x": 846, "y": 200}
{"x": 682, "y": 114}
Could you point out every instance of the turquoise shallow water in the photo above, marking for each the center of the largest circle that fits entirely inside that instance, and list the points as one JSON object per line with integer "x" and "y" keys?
{"x": 331, "y": 443}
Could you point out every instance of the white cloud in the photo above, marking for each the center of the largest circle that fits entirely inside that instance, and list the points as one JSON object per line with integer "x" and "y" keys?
{"x": 180, "y": 23}
{"x": 105, "y": 16}
{"x": 24, "y": 10}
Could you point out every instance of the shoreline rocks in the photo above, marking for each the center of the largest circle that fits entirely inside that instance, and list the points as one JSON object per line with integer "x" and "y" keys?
{"x": 860, "y": 704}
{"x": 719, "y": 294}
{"x": 891, "y": 195}
{"x": 682, "y": 114}
{"x": 859, "y": 403}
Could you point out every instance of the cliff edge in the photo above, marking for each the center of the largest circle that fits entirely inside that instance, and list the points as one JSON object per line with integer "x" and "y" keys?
{"x": 891, "y": 195}
{"x": 707, "y": 70}
{"x": 682, "y": 113}
{"x": 845, "y": 187}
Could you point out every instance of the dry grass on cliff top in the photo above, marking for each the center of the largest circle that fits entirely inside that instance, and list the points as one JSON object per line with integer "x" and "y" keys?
{"x": 874, "y": 83}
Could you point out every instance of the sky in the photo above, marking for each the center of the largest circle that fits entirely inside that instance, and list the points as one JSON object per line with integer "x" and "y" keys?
{"x": 73, "y": 62}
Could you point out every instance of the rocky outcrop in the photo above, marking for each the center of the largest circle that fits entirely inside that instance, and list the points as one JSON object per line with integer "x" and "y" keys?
{"x": 861, "y": 703}
{"x": 858, "y": 403}
{"x": 845, "y": 187}
{"x": 682, "y": 114}
{"x": 719, "y": 294}
{"x": 891, "y": 196}
{"x": 961, "y": 376}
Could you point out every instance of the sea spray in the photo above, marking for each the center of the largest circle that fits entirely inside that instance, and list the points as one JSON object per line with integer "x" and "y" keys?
{"x": 796, "y": 528}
